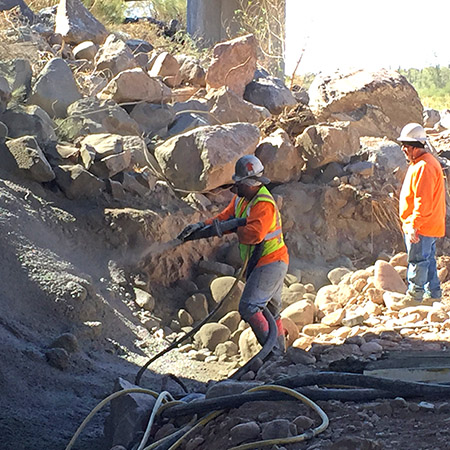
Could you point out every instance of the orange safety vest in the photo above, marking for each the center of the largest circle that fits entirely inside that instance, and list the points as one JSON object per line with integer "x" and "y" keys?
{"x": 273, "y": 240}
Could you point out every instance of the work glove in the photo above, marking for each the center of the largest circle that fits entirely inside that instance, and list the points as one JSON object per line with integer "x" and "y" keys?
{"x": 190, "y": 229}
{"x": 411, "y": 234}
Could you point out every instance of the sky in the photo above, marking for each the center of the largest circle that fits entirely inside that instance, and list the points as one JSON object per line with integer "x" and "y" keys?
{"x": 369, "y": 34}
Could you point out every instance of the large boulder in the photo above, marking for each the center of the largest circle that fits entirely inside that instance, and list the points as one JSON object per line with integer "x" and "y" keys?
{"x": 282, "y": 162}
{"x": 113, "y": 57}
{"x": 233, "y": 64}
{"x": 5, "y": 93}
{"x": 271, "y": 93}
{"x": 191, "y": 72}
{"x": 385, "y": 90}
{"x": 86, "y": 50}
{"x": 387, "y": 278}
{"x": 18, "y": 73}
{"x": 226, "y": 107}
{"x": 135, "y": 85}
{"x": 90, "y": 115}
{"x": 154, "y": 119}
{"x": 167, "y": 67}
{"x": 55, "y": 88}
{"x": 76, "y": 182}
{"x": 323, "y": 144}
{"x": 29, "y": 121}
{"x": 301, "y": 312}
{"x": 211, "y": 335}
{"x": 76, "y": 24}
{"x": 6, "y": 5}
{"x": 204, "y": 158}
{"x": 220, "y": 287}
{"x": 30, "y": 159}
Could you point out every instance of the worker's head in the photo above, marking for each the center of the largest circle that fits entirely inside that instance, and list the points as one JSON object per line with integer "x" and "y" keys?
{"x": 248, "y": 176}
{"x": 413, "y": 140}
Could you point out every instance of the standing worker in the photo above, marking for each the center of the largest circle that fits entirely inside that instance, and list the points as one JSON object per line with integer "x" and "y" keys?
{"x": 422, "y": 213}
{"x": 261, "y": 239}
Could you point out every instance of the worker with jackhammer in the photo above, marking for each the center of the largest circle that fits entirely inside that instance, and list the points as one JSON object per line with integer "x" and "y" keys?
{"x": 261, "y": 240}
{"x": 422, "y": 212}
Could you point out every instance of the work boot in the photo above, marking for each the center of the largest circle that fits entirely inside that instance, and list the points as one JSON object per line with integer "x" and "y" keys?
{"x": 280, "y": 347}
{"x": 260, "y": 327}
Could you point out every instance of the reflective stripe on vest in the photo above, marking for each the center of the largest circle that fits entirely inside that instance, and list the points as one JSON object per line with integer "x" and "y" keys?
{"x": 274, "y": 238}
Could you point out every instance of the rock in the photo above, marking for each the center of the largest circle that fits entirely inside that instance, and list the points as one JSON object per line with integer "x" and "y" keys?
{"x": 144, "y": 299}
{"x": 186, "y": 122}
{"x": 291, "y": 329}
{"x": 352, "y": 320}
{"x": 275, "y": 429}
{"x": 243, "y": 432}
{"x": 375, "y": 295}
{"x": 280, "y": 158}
{"x": 226, "y": 107}
{"x": 289, "y": 297}
{"x": 111, "y": 165}
{"x": 55, "y": 88}
{"x": 139, "y": 46}
{"x": 29, "y": 159}
{"x": 355, "y": 443}
{"x": 271, "y": 93}
{"x": 212, "y": 334}
{"x": 134, "y": 85}
{"x": 388, "y": 93}
{"x": 76, "y": 24}
{"x": 230, "y": 387}
{"x": 184, "y": 318}
{"x": 85, "y": 50}
{"x": 197, "y": 306}
{"x": 326, "y": 299}
{"x": 209, "y": 152}
{"x": 220, "y": 287}
{"x": 335, "y": 318}
{"x": 153, "y": 119}
{"x": 191, "y": 71}
{"x": 299, "y": 356}
{"x": 167, "y": 67}
{"x": 336, "y": 275}
{"x": 303, "y": 423}
{"x": 29, "y": 121}
{"x": 215, "y": 268}
{"x": 18, "y": 74}
{"x": 113, "y": 57}
{"x": 314, "y": 329}
{"x": 5, "y": 94}
{"x": 58, "y": 357}
{"x": 248, "y": 344}
{"x": 303, "y": 342}
{"x": 7, "y": 5}
{"x": 430, "y": 117}
{"x": 387, "y": 278}
{"x": 301, "y": 312}
{"x": 66, "y": 341}
{"x": 77, "y": 182}
{"x": 227, "y": 348}
{"x": 400, "y": 259}
{"x": 233, "y": 64}
{"x": 231, "y": 320}
{"x": 195, "y": 443}
{"x": 370, "y": 348}
{"x": 129, "y": 415}
{"x": 326, "y": 143}
{"x": 90, "y": 115}
{"x": 438, "y": 316}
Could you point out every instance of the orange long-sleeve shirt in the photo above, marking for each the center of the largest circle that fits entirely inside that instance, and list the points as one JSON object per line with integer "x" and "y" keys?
{"x": 422, "y": 198}
{"x": 258, "y": 225}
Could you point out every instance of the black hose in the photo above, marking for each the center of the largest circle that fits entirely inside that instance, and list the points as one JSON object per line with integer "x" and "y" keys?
{"x": 202, "y": 407}
{"x": 402, "y": 388}
{"x": 265, "y": 351}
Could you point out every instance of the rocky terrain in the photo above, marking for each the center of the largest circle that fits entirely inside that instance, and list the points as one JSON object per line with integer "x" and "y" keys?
{"x": 109, "y": 147}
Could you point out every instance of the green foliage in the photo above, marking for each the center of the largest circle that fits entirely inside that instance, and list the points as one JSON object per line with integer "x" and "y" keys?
{"x": 166, "y": 10}
{"x": 107, "y": 11}
{"x": 432, "y": 84}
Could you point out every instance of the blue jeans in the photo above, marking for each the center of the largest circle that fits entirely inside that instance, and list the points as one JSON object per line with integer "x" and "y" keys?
{"x": 422, "y": 272}
{"x": 263, "y": 288}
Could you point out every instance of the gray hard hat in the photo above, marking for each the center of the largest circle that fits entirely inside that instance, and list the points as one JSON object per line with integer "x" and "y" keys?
{"x": 249, "y": 167}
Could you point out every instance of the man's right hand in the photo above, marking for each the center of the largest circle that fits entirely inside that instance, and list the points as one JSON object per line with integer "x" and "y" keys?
{"x": 189, "y": 230}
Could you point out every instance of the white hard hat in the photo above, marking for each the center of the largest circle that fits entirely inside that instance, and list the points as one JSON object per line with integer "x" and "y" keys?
{"x": 249, "y": 166}
{"x": 413, "y": 132}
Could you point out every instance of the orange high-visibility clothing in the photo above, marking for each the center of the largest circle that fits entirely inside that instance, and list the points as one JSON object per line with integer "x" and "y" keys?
{"x": 422, "y": 198}
{"x": 260, "y": 220}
